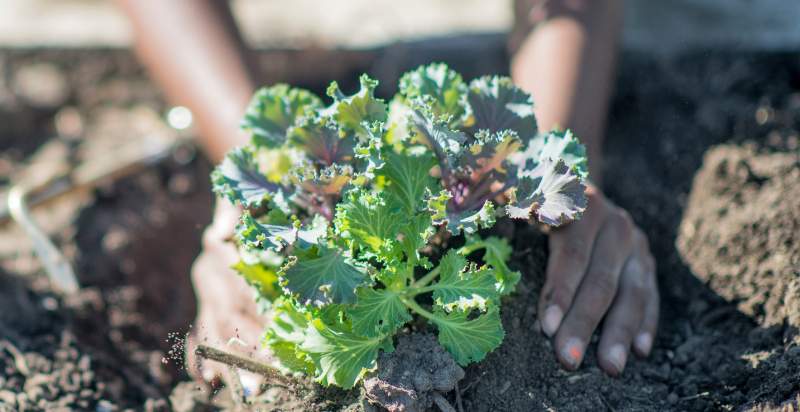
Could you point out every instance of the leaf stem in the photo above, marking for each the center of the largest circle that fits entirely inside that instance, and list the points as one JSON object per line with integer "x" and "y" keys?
{"x": 423, "y": 281}
{"x": 468, "y": 249}
{"x": 419, "y": 291}
{"x": 413, "y": 305}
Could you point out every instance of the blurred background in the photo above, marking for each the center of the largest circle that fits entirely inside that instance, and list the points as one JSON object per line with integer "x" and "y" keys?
{"x": 658, "y": 27}
{"x": 75, "y": 104}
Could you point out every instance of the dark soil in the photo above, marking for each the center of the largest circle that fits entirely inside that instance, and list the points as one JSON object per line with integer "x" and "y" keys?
{"x": 708, "y": 355}
{"x": 727, "y": 338}
{"x": 414, "y": 376}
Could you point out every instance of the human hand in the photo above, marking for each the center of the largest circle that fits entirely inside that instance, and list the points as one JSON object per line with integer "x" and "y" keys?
{"x": 600, "y": 266}
{"x": 226, "y": 309}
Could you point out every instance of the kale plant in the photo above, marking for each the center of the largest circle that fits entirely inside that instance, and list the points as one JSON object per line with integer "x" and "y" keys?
{"x": 347, "y": 206}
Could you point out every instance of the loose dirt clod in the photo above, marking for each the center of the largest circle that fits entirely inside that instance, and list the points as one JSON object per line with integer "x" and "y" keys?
{"x": 740, "y": 231}
{"x": 414, "y": 376}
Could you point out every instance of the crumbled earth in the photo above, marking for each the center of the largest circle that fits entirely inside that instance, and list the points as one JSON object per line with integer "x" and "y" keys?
{"x": 718, "y": 347}
{"x": 740, "y": 231}
{"x": 408, "y": 377}
{"x": 708, "y": 354}
{"x": 44, "y": 366}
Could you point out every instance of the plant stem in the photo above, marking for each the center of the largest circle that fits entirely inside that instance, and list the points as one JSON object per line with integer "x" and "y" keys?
{"x": 423, "y": 281}
{"x": 272, "y": 374}
{"x": 468, "y": 249}
{"x": 419, "y": 291}
{"x": 413, "y": 305}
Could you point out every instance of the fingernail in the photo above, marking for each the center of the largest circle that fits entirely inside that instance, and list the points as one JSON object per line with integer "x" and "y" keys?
{"x": 572, "y": 352}
{"x": 617, "y": 355}
{"x": 643, "y": 343}
{"x": 552, "y": 319}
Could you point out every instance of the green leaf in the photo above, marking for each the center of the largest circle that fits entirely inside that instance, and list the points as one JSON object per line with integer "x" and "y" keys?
{"x": 273, "y": 110}
{"x": 286, "y": 330}
{"x": 357, "y": 113}
{"x": 239, "y": 180}
{"x": 414, "y": 234}
{"x": 469, "y": 340}
{"x": 369, "y": 153}
{"x": 365, "y": 218}
{"x": 378, "y": 312}
{"x": 499, "y": 105}
{"x": 263, "y": 278}
{"x": 437, "y": 206}
{"x": 461, "y": 287}
{"x": 340, "y": 357}
{"x": 408, "y": 179}
{"x": 329, "y": 277}
{"x": 552, "y": 192}
{"x": 497, "y": 252}
{"x": 445, "y": 87}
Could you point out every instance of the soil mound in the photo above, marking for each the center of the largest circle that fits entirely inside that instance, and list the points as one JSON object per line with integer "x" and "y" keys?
{"x": 741, "y": 231}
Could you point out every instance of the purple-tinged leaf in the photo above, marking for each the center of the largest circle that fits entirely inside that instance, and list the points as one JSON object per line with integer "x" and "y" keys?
{"x": 499, "y": 105}
{"x": 447, "y": 144}
{"x": 322, "y": 142}
{"x": 552, "y": 191}
{"x": 239, "y": 179}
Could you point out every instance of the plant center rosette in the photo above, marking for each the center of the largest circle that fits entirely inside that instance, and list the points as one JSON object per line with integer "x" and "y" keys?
{"x": 342, "y": 204}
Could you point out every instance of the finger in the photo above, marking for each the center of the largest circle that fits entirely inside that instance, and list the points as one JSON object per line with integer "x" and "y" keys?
{"x": 643, "y": 342}
{"x": 597, "y": 290}
{"x": 570, "y": 251}
{"x": 625, "y": 316}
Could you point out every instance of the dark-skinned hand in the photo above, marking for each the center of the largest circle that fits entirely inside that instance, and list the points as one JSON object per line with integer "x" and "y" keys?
{"x": 600, "y": 269}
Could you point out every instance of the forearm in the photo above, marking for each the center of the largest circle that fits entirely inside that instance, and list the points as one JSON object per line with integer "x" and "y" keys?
{"x": 193, "y": 51}
{"x": 567, "y": 61}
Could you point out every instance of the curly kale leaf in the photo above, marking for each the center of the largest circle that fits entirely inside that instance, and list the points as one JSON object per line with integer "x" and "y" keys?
{"x": 330, "y": 180}
{"x": 469, "y": 221}
{"x": 469, "y": 339}
{"x": 319, "y": 139}
{"x": 461, "y": 286}
{"x": 552, "y": 191}
{"x": 239, "y": 179}
{"x": 447, "y": 144}
{"x": 490, "y": 152}
{"x": 553, "y": 145}
{"x": 286, "y": 331}
{"x": 325, "y": 277}
{"x": 408, "y": 179}
{"x": 498, "y": 105}
{"x": 274, "y": 110}
{"x": 356, "y": 114}
{"x": 366, "y": 219}
{"x": 496, "y": 252}
{"x": 257, "y": 236}
{"x": 378, "y": 312}
{"x": 341, "y": 357}
{"x": 261, "y": 277}
{"x": 443, "y": 88}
